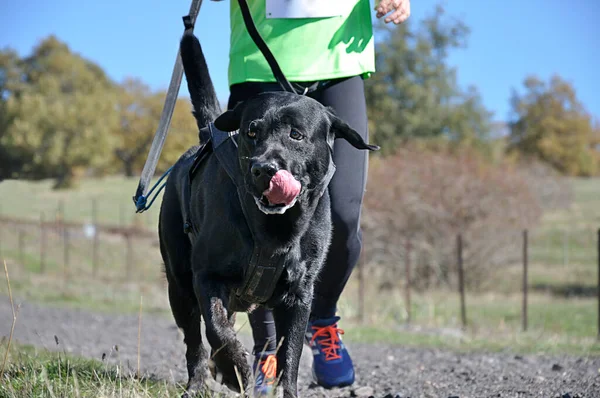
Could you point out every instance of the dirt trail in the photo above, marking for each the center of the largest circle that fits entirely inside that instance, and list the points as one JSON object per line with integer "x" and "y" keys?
{"x": 381, "y": 369}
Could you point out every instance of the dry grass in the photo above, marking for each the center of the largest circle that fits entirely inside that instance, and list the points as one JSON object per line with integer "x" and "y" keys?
{"x": 14, "y": 320}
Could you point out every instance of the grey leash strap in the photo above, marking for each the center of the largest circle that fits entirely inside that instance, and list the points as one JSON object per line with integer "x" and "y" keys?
{"x": 141, "y": 193}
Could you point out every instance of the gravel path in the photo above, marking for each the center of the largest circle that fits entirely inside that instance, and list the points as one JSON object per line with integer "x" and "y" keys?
{"x": 381, "y": 370}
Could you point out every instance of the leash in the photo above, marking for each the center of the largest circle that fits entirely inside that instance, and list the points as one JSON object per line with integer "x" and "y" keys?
{"x": 140, "y": 199}
{"x": 141, "y": 205}
{"x": 264, "y": 49}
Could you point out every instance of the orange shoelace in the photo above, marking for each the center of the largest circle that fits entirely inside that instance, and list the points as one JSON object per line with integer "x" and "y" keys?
{"x": 330, "y": 344}
{"x": 269, "y": 368}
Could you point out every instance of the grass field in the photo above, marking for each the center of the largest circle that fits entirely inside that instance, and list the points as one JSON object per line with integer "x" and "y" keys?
{"x": 113, "y": 196}
{"x": 33, "y": 372}
{"x": 562, "y": 276}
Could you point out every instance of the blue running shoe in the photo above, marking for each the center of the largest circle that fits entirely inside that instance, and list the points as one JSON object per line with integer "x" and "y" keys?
{"x": 332, "y": 365}
{"x": 265, "y": 373}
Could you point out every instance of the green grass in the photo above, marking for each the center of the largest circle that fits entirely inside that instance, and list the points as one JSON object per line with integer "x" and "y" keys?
{"x": 517, "y": 343}
{"x": 555, "y": 325}
{"x": 569, "y": 236}
{"x": 116, "y": 285}
{"x": 113, "y": 195}
{"x": 31, "y": 372}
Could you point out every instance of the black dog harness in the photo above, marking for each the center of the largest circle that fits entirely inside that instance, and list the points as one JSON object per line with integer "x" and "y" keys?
{"x": 265, "y": 266}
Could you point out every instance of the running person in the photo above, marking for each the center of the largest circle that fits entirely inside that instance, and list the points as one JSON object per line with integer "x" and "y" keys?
{"x": 328, "y": 48}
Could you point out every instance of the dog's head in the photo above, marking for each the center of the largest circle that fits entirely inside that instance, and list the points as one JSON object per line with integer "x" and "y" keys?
{"x": 285, "y": 146}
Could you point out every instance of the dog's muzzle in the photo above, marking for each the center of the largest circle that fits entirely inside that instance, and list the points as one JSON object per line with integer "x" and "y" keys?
{"x": 279, "y": 188}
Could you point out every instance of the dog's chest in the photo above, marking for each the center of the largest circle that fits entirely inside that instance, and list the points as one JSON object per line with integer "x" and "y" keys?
{"x": 285, "y": 287}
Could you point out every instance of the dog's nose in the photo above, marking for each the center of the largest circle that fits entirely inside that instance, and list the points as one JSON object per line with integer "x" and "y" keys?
{"x": 262, "y": 172}
{"x": 263, "y": 169}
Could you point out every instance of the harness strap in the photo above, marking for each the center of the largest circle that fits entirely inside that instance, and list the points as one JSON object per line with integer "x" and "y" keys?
{"x": 140, "y": 197}
{"x": 264, "y": 269}
{"x": 260, "y": 279}
{"x": 225, "y": 148}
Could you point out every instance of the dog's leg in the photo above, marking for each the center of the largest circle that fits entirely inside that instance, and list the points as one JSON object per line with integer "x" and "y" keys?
{"x": 187, "y": 316}
{"x": 229, "y": 353}
{"x": 290, "y": 323}
{"x": 212, "y": 365}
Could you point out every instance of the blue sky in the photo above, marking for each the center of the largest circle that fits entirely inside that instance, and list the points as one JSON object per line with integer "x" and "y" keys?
{"x": 509, "y": 40}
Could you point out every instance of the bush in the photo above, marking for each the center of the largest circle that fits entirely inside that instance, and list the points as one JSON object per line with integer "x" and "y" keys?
{"x": 431, "y": 197}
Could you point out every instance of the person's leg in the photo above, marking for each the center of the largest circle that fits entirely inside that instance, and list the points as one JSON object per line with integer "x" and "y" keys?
{"x": 264, "y": 366}
{"x": 346, "y": 189}
{"x": 263, "y": 331}
{"x": 332, "y": 365}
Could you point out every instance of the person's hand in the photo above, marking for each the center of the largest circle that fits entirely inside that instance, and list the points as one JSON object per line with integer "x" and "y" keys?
{"x": 399, "y": 10}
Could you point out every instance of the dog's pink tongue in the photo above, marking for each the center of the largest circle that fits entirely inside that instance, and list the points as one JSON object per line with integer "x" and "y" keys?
{"x": 283, "y": 188}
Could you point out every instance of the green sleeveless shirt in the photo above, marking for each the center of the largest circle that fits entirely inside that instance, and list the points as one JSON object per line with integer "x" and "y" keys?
{"x": 307, "y": 49}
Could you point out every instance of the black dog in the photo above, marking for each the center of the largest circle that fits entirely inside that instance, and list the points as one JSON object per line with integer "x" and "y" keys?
{"x": 279, "y": 214}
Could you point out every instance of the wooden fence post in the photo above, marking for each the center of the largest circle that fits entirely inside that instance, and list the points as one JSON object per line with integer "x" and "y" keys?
{"x": 21, "y": 234}
{"x": 43, "y": 244}
{"x": 361, "y": 285}
{"x": 66, "y": 254}
{"x": 407, "y": 250}
{"x": 96, "y": 238}
{"x": 461, "y": 281}
{"x": 129, "y": 257}
{"x": 121, "y": 216}
{"x": 61, "y": 215}
{"x": 565, "y": 248}
{"x": 1, "y": 226}
{"x": 525, "y": 283}
{"x": 598, "y": 284}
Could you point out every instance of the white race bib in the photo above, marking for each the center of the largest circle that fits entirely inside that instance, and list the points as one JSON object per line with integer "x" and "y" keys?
{"x": 306, "y": 8}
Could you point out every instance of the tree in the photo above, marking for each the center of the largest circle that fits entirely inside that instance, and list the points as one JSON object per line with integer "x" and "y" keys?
{"x": 10, "y": 164}
{"x": 60, "y": 108}
{"x": 183, "y": 133}
{"x": 415, "y": 94}
{"x": 139, "y": 110}
{"x": 549, "y": 123}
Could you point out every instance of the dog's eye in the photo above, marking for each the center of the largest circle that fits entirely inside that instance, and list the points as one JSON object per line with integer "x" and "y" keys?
{"x": 252, "y": 128}
{"x": 296, "y": 135}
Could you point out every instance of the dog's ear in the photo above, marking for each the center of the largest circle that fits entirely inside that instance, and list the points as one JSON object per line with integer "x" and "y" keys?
{"x": 231, "y": 119}
{"x": 341, "y": 129}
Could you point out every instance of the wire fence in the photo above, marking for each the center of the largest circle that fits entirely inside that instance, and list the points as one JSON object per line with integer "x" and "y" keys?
{"x": 128, "y": 252}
